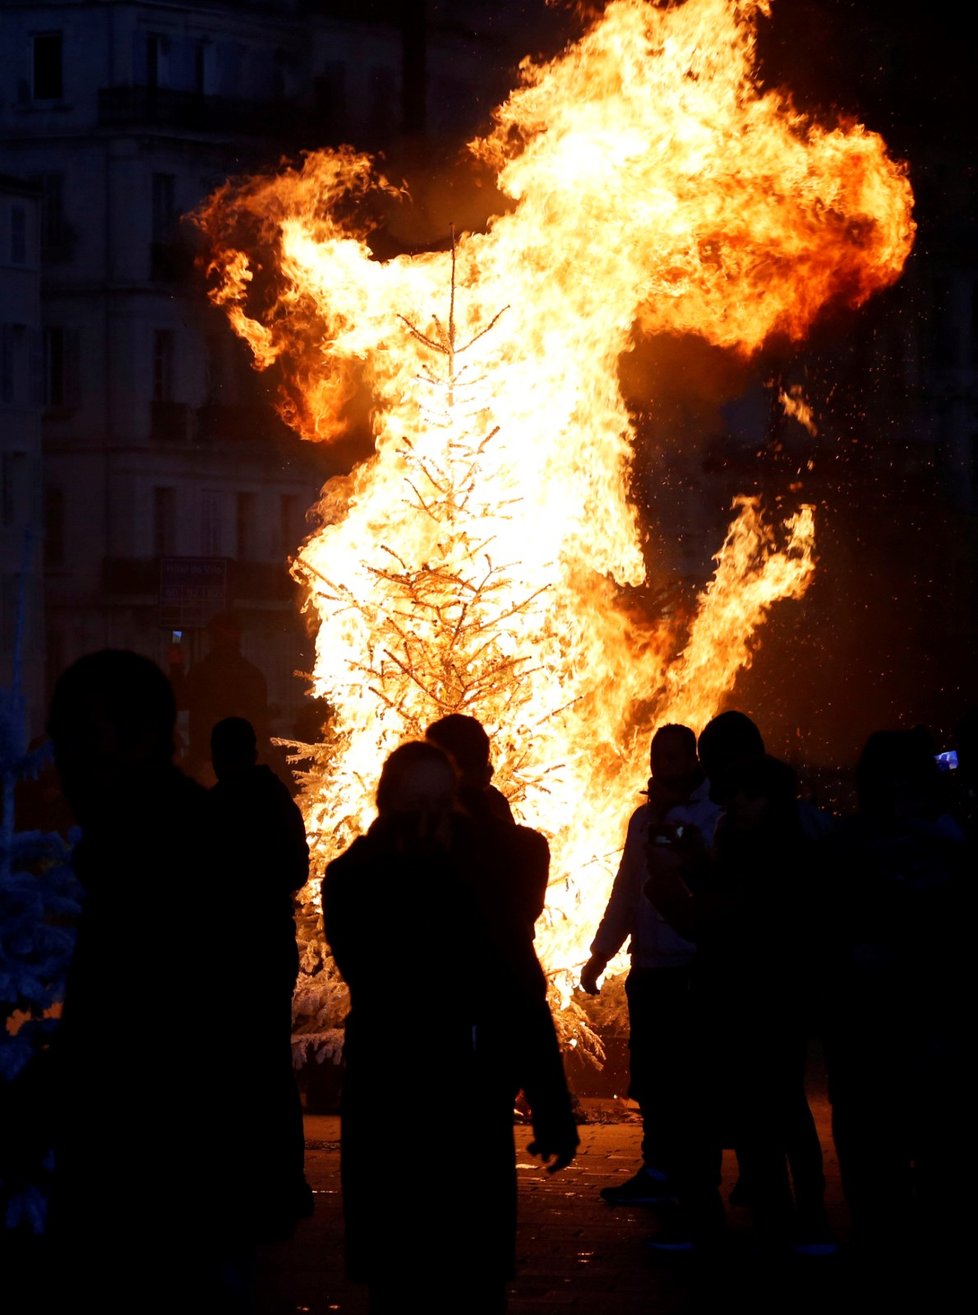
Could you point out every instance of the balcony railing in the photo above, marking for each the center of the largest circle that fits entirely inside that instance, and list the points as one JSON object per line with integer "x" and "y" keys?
{"x": 222, "y": 423}
{"x": 257, "y": 582}
{"x": 169, "y": 422}
{"x": 163, "y": 107}
{"x": 170, "y": 262}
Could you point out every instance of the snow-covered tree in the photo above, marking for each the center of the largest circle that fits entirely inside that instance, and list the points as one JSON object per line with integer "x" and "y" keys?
{"x": 39, "y": 902}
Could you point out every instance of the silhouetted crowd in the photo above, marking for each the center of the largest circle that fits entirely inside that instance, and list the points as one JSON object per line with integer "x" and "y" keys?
{"x": 175, "y": 1034}
{"x": 767, "y": 928}
{"x": 758, "y": 927}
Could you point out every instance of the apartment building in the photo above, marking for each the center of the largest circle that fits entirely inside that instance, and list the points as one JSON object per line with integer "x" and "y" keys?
{"x": 170, "y": 488}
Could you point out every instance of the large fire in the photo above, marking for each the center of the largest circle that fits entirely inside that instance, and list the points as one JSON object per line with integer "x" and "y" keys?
{"x": 487, "y": 558}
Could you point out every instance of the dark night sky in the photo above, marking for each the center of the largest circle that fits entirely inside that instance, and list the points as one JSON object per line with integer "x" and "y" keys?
{"x": 886, "y": 633}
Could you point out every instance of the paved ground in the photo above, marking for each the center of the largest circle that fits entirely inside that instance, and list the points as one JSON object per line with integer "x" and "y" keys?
{"x": 576, "y": 1254}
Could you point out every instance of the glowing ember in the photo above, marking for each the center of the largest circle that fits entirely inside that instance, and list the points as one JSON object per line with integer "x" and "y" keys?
{"x": 794, "y": 404}
{"x": 487, "y": 557}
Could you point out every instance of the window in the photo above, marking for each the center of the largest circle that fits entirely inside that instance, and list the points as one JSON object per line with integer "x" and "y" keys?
{"x": 292, "y": 528}
{"x": 18, "y": 235}
{"x": 246, "y": 524}
{"x": 10, "y": 590}
{"x": 12, "y": 465}
{"x": 47, "y": 83}
{"x": 213, "y": 366}
{"x": 54, "y": 231}
{"x": 164, "y": 521}
{"x": 201, "y": 64}
{"x": 170, "y": 258}
{"x": 6, "y": 364}
{"x": 56, "y": 234}
{"x": 163, "y": 365}
{"x": 54, "y": 526}
{"x": 13, "y": 340}
{"x": 157, "y": 49}
{"x": 60, "y": 367}
{"x": 164, "y": 207}
{"x": 54, "y": 656}
{"x": 210, "y": 523}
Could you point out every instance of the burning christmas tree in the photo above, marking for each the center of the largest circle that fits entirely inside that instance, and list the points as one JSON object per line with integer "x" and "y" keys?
{"x": 489, "y": 556}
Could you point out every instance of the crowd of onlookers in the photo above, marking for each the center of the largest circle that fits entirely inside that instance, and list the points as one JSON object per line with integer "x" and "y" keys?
{"x": 760, "y": 926}
{"x": 757, "y": 925}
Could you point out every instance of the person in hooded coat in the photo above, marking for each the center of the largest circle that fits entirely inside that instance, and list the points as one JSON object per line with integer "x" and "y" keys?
{"x": 148, "y": 1206}
{"x": 428, "y": 1091}
{"x": 266, "y": 855}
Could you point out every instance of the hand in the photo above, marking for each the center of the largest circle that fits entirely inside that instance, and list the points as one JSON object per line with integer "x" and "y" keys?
{"x": 555, "y": 1157}
{"x": 666, "y": 862}
{"x": 590, "y": 973}
{"x": 667, "y": 890}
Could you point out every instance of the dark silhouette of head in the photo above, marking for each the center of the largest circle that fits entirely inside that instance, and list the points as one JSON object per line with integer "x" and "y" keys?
{"x": 416, "y": 796}
{"x": 112, "y": 719}
{"x": 762, "y": 794}
{"x": 465, "y": 741}
{"x": 672, "y": 755}
{"x": 234, "y": 747}
{"x": 417, "y": 777}
{"x": 729, "y": 739}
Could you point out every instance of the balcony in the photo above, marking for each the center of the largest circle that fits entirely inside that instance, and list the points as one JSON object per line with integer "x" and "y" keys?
{"x": 137, "y": 106}
{"x": 169, "y": 422}
{"x": 130, "y": 576}
{"x": 170, "y": 262}
{"x": 218, "y": 422}
{"x": 247, "y": 582}
{"x": 58, "y": 243}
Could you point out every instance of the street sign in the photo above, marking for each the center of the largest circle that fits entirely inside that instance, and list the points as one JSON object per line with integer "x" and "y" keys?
{"x": 192, "y": 590}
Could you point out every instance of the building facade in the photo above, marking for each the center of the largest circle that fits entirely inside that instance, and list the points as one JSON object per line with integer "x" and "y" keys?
{"x": 21, "y": 547}
{"x": 170, "y": 488}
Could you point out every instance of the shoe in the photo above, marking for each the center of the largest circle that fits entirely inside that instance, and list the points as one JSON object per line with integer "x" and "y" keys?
{"x": 644, "y": 1188}
{"x": 814, "y": 1244}
{"x": 671, "y": 1241}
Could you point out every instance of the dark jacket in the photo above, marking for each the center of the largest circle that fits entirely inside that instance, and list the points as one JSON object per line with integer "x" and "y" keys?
{"x": 444, "y": 1029}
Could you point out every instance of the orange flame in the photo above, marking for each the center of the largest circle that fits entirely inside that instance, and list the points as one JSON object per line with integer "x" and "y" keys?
{"x": 794, "y": 404}
{"x": 487, "y": 558}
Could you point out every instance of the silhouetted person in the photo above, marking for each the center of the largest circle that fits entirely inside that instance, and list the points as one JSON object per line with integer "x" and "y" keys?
{"x": 465, "y": 740}
{"x": 896, "y": 931}
{"x": 733, "y": 738}
{"x": 728, "y": 743}
{"x": 657, "y": 984}
{"x": 147, "y": 1206}
{"x": 745, "y": 906}
{"x": 526, "y": 868}
{"x": 224, "y": 683}
{"x": 262, "y": 837}
{"x": 406, "y": 908}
